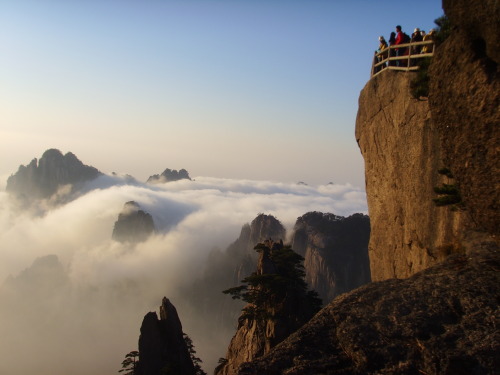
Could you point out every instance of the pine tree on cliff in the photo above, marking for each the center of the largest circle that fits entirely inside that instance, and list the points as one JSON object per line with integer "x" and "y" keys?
{"x": 280, "y": 277}
{"x": 278, "y": 303}
{"x": 129, "y": 364}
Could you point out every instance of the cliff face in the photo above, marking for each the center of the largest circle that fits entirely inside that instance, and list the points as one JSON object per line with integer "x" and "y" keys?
{"x": 464, "y": 97}
{"x": 133, "y": 224}
{"x": 45, "y": 177}
{"x": 335, "y": 251}
{"x": 162, "y": 348}
{"x": 401, "y": 148}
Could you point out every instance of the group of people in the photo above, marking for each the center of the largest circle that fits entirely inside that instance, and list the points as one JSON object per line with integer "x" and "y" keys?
{"x": 399, "y": 37}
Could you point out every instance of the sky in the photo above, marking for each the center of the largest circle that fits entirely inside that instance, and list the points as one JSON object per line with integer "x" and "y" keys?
{"x": 244, "y": 89}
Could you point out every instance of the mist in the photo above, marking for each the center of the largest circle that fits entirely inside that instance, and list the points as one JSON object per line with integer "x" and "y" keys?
{"x": 72, "y": 299}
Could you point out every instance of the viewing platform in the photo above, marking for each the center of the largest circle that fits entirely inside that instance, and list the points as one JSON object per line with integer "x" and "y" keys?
{"x": 408, "y": 59}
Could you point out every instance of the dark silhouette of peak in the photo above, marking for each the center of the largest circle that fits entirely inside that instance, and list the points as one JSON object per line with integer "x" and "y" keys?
{"x": 162, "y": 347}
{"x": 53, "y": 173}
{"x": 169, "y": 175}
{"x": 133, "y": 224}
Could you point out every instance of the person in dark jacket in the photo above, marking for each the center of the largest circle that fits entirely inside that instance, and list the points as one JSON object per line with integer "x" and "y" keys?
{"x": 392, "y": 42}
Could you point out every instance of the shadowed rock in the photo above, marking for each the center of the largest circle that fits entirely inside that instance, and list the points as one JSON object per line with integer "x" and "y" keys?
{"x": 335, "y": 251}
{"x": 440, "y": 321}
{"x": 133, "y": 224}
{"x": 162, "y": 348}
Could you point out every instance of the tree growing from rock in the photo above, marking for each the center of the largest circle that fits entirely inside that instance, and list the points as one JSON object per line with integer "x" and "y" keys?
{"x": 281, "y": 275}
{"x": 129, "y": 364}
{"x": 192, "y": 353}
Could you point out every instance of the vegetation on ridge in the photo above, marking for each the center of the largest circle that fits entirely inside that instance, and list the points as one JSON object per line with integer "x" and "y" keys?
{"x": 266, "y": 292}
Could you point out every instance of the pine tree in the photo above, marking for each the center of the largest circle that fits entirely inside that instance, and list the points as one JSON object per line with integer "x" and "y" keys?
{"x": 129, "y": 364}
{"x": 192, "y": 352}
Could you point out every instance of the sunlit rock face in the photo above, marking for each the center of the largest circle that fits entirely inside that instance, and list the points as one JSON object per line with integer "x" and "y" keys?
{"x": 54, "y": 173}
{"x": 169, "y": 175}
{"x": 401, "y": 148}
{"x": 335, "y": 251}
{"x": 162, "y": 348}
{"x": 133, "y": 224}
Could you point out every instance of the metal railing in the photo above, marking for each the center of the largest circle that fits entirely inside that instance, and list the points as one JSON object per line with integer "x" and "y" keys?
{"x": 402, "y": 57}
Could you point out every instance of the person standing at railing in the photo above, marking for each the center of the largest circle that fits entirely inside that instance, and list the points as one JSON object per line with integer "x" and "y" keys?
{"x": 415, "y": 50}
{"x": 379, "y": 56}
{"x": 392, "y": 51}
{"x": 428, "y": 48}
{"x": 381, "y": 47}
{"x": 400, "y": 39}
{"x": 416, "y": 37}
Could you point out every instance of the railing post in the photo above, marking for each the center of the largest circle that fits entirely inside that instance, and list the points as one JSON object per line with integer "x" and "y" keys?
{"x": 408, "y": 62}
{"x": 373, "y": 66}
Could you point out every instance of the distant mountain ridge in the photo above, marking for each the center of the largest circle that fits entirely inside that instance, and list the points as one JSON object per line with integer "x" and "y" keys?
{"x": 169, "y": 175}
{"x": 53, "y": 173}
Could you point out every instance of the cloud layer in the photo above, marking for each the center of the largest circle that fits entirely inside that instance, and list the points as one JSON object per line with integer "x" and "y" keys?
{"x": 111, "y": 285}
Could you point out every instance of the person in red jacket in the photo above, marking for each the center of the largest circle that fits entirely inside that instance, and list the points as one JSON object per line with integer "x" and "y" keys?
{"x": 400, "y": 40}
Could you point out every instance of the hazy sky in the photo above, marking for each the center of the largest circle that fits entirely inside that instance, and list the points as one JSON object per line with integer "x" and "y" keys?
{"x": 253, "y": 89}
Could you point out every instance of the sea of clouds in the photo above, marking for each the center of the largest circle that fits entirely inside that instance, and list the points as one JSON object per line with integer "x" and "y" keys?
{"x": 93, "y": 320}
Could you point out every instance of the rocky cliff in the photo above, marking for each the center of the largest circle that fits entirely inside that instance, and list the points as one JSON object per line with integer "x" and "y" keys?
{"x": 53, "y": 173}
{"x": 335, "y": 251}
{"x": 169, "y": 175}
{"x": 224, "y": 269}
{"x": 464, "y": 97}
{"x": 133, "y": 224}
{"x": 400, "y": 144}
{"x": 162, "y": 348}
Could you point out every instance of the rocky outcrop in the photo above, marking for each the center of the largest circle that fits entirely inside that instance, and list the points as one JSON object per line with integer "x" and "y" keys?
{"x": 133, "y": 224}
{"x": 442, "y": 320}
{"x": 335, "y": 251}
{"x": 227, "y": 268}
{"x": 169, "y": 175}
{"x": 401, "y": 148}
{"x": 224, "y": 269}
{"x": 162, "y": 348}
{"x": 278, "y": 304}
{"x": 54, "y": 174}
{"x": 464, "y": 97}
